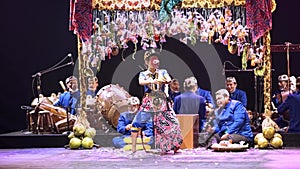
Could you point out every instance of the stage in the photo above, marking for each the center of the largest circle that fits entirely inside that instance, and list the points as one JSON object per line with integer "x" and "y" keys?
{"x": 106, "y": 157}
{"x": 24, "y": 139}
{"x": 26, "y": 150}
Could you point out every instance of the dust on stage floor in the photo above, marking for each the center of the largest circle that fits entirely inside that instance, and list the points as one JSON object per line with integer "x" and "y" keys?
{"x": 107, "y": 157}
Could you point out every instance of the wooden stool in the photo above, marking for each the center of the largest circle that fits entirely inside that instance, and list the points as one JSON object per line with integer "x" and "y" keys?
{"x": 189, "y": 125}
{"x": 45, "y": 123}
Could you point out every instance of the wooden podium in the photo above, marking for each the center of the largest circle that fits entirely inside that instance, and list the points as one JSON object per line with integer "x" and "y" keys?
{"x": 189, "y": 125}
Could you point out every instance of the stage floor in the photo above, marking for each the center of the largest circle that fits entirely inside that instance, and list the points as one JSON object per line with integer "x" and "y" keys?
{"x": 61, "y": 158}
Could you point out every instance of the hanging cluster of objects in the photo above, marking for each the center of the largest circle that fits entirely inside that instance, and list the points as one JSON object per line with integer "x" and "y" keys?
{"x": 114, "y": 30}
{"x": 112, "y": 24}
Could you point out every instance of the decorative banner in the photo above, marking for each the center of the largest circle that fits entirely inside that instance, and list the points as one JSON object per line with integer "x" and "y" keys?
{"x": 138, "y": 5}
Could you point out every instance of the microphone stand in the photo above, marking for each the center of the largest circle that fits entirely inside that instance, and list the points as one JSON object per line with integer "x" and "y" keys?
{"x": 39, "y": 74}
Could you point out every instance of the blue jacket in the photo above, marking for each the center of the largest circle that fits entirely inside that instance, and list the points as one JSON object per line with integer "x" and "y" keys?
{"x": 68, "y": 100}
{"x": 127, "y": 118}
{"x": 172, "y": 95}
{"x": 239, "y": 95}
{"x": 191, "y": 103}
{"x": 207, "y": 95}
{"x": 233, "y": 119}
{"x": 292, "y": 103}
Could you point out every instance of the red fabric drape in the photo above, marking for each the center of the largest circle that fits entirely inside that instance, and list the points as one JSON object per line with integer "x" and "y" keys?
{"x": 81, "y": 18}
{"x": 258, "y": 17}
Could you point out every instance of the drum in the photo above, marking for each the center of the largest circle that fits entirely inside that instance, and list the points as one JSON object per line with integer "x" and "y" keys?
{"x": 111, "y": 101}
{"x": 65, "y": 125}
{"x": 53, "y": 109}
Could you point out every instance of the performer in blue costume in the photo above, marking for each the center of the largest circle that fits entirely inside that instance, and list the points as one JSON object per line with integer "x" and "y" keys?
{"x": 189, "y": 102}
{"x": 236, "y": 94}
{"x": 232, "y": 120}
{"x": 174, "y": 89}
{"x": 207, "y": 96}
{"x": 92, "y": 86}
{"x": 292, "y": 103}
{"x": 70, "y": 98}
{"x": 125, "y": 124}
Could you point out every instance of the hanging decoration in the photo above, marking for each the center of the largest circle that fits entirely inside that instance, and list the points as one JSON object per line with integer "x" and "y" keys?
{"x": 259, "y": 17}
{"x": 114, "y": 30}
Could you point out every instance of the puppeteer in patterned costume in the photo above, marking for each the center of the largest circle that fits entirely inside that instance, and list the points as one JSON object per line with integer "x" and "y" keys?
{"x": 156, "y": 108}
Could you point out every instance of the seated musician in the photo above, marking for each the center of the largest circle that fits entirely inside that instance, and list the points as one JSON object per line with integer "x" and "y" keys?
{"x": 191, "y": 103}
{"x": 66, "y": 102}
{"x": 235, "y": 94}
{"x": 232, "y": 120}
{"x": 125, "y": 124}
{"x": 207, "y": 96}
{"x": 168, "y": 134}
{"x": 92, "y": 86}
{"x": 70, "y": 98}
{"x": 280, "y": 96}
{"x": 174, "y": 89}
{"x": 292, "y": 103}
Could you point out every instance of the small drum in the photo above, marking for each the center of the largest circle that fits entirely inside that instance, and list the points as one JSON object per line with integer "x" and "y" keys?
{"x": 111, "y": 101}
{"x": 53, "y": 109}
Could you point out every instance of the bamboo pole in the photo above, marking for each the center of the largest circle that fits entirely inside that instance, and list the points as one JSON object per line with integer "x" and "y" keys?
{"x": 82, "y": 117}
{"x": 268, "y": 75}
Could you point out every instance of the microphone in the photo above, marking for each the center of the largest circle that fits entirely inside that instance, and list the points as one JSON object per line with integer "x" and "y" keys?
{"x": 27, "y": 108}
{"x": 70, "y": 56}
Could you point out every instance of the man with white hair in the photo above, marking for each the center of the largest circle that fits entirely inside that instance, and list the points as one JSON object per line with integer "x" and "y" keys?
{"x": 189, "y": 102}
{"x": 232, "y": 119}
{"x": 125, "y": 123}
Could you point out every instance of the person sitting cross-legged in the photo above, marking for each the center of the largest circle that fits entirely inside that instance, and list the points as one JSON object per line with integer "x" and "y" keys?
{"x": 233, "y": 122}
{"x": 125, "y": 124}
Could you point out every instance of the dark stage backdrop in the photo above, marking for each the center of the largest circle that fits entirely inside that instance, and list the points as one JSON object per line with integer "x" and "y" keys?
{"x": 35, "y": 36}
